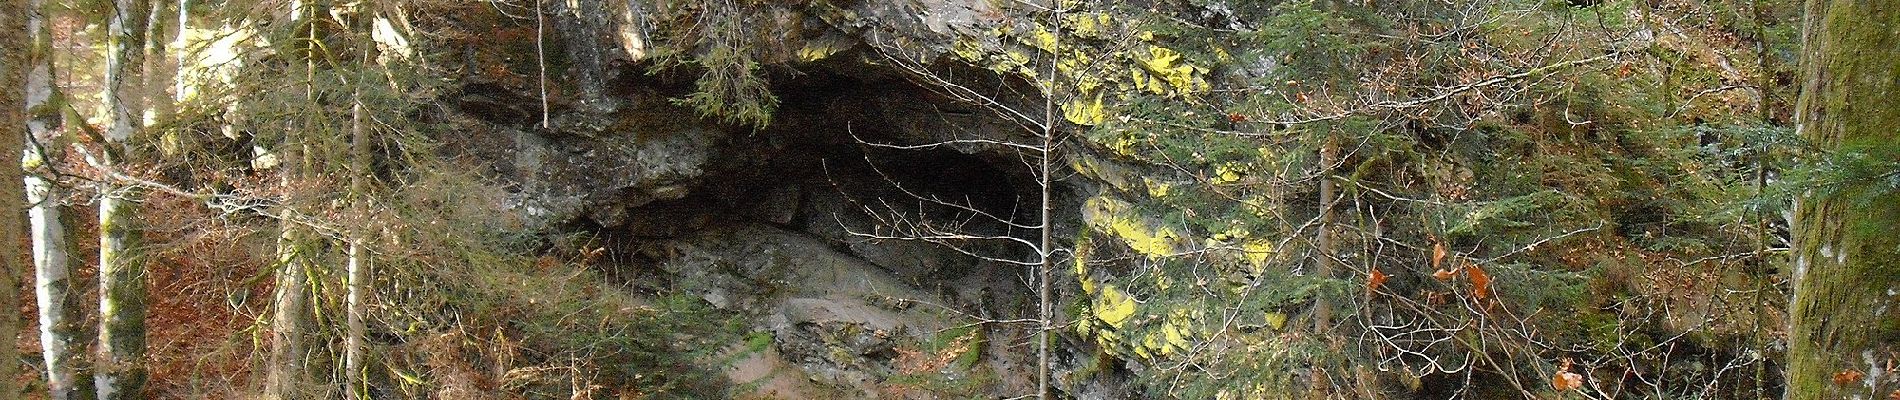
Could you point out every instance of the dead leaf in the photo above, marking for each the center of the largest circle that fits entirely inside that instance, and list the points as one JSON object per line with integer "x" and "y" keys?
{"x": 1480, "y": 282}
{"x": 1847, "y": 376}
{"x": 1443, "y": 275}
{"x": 1566, "y": 381}
{"x": 1375, "y": 280}
{"x": 1438, "y": 255}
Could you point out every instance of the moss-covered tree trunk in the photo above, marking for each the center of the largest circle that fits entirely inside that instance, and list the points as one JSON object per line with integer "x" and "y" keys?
{"x": 287, "y": 375}
{"x": 1845, "y": 312}
{"x": 13, "y": 117}
{"x": 119, "y": 374}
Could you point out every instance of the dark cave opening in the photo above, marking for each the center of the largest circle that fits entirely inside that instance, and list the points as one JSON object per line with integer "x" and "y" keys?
{"x": 876, "y": 140}
{"x": 855, "y": 151}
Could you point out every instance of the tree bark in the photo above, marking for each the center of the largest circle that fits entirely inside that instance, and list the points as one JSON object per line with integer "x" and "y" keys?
{"x": 358, "y": 267}
{"x": 1045, "y": 250}
{"x": 1323, "y": 240}
{"x": 121, "y": 266}
{"x": 59, "y": 305}
{"x": 13, "y": 35}
{"x": 1847, "y": 252}
{"x": 155, "y": 76}
{"x": 285, "y": 375}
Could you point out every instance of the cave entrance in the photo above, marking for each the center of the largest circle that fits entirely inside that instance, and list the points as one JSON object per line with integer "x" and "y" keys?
{"x": 869, "y": 161}
{"x": 815, "y": 220}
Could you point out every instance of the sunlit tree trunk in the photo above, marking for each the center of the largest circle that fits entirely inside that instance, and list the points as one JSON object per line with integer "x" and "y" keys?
{"x": 59, "y": 304}
{"x": 1846, "y": 308}
{"x": 285, "y": 375}
{"x": 177, "y": 141}
{"x": 358, "y": 267}
{"x": 13, "y": 36}
{"x": 121, "y": 266}
{"x": 155, "y": 73}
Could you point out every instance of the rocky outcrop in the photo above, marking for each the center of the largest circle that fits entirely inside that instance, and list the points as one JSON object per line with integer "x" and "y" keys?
{"x": 776, "y": 223}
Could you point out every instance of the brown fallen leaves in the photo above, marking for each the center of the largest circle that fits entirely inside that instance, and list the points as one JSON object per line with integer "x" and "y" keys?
{"x": 1566, "y": 380}
{"x": 1438, "y": 255}
{"x": 1375, "y": 280}
{"x": 1444, "y": 274}
{"x": 1847, "y": 376}
{"x": 1480, "y": 280}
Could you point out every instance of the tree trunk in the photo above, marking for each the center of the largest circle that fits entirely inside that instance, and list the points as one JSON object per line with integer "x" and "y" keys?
{"x": 1045, "y": 264}
{"x": 1323, "y": 240}
{"x": 13, "y": 36}
{"x": 59, "y": 305}
{"x": 285, "y": 375}
{"x": 155, "y": 72}
{"x": 358, "y": 268}
{"x": 177, "y": 141}
{"x": 1847, "y": 251}
{"x": 121, "y": 266}
{"x": 1045, "y": 252}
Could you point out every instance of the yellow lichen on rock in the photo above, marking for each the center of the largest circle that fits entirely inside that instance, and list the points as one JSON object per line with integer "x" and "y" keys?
{"x": 1157, "y": 188}
{"x": 1083, "y": 111}
{"x": 816, "y": 51}
{"x": 969, "y": 50}
{"x": 1113, "y": 217}
{"x": 1088, "y": 25}
{"x": 1229, "y": 172}
{"x": 1257, "y": 252}
{"x": 1113, "y": 307}
{"x": 1178, "y": 332}
{"x": 1161, "y": 72}
{"x": 1041, "y": 38}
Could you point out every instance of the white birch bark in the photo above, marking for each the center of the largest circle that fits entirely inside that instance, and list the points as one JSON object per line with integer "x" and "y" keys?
{"x": 60, "y": 347}
{"x": 121, "y": 268}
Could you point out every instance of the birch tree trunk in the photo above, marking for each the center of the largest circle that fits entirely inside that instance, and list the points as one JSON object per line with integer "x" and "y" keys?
{"x": 1844, "y": 329}
{"x": 59, "y": 305}
{"x": 154, "y": 72}
{"x": 121, "y": 266}
{"x": 13, "y": 36}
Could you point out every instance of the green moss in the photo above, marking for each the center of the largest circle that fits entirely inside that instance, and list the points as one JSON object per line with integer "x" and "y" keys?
{"x": 758, "y": 341}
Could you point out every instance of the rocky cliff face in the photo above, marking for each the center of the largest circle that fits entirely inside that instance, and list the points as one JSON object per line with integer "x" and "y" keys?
{"x": 786, "y": 224}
